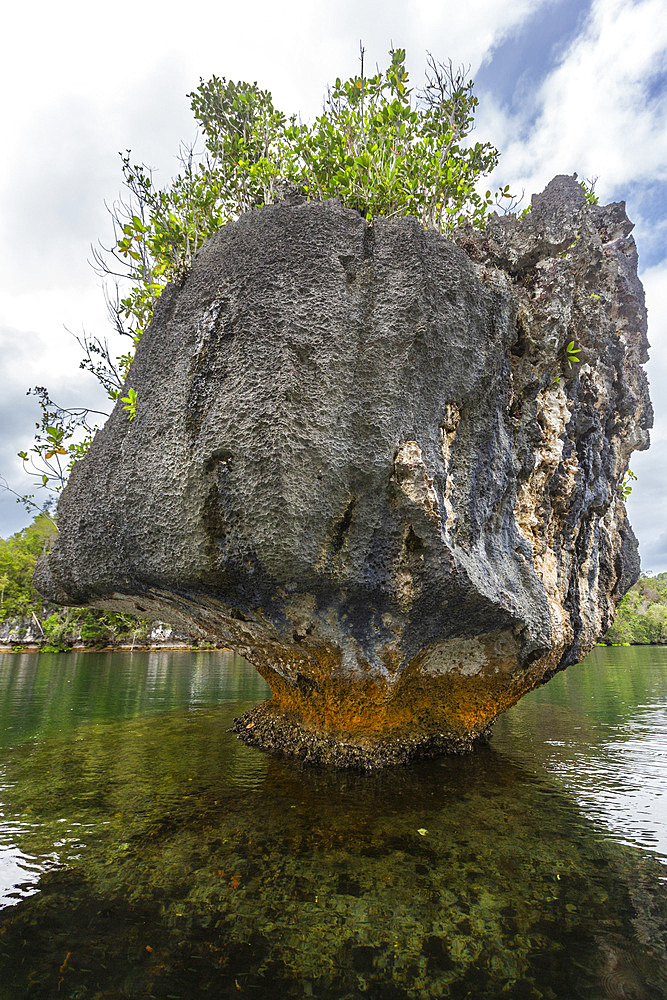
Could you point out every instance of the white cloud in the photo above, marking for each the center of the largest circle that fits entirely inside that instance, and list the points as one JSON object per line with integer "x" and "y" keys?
{"x": 654, "y": 280}
{"x": 468, "y": 32}
{"x": 592, "y": 113}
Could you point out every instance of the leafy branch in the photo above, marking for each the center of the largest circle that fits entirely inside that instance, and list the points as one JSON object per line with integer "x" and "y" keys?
{"x": 130, "y": 403}
{"x": 62, "y": 437}
{"x": 624, "y": 485}
{"x": 379, "y": 146}
{"x": 571, "y": 359}
{"x": 571, "y": 355}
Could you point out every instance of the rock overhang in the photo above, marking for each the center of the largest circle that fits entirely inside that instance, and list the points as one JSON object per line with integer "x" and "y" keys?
{"x": 359, "y": 448}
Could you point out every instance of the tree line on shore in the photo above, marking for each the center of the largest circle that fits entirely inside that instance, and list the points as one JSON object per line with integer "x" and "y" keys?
{"x": 641, "y": 618}
{"x": 25, "y": 616}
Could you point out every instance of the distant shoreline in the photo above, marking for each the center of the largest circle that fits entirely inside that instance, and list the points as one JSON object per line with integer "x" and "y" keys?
{"x": 138, "y": 647}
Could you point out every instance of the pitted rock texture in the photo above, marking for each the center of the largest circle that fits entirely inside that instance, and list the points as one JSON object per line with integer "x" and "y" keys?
{"x": 360, "y": 459}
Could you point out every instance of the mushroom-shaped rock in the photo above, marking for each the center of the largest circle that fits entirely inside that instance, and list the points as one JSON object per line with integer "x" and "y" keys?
{"x": 364, "y": 458}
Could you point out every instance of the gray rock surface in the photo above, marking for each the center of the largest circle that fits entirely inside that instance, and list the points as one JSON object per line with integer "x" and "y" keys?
{"x": 360, "y": 459}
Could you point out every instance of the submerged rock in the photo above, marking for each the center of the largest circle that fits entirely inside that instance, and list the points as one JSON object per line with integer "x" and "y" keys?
{"x": 364, "y": 459}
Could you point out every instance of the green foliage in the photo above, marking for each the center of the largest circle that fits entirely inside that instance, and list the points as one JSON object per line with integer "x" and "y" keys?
{"x": 62, "y": 437}
{"x": 103, "y": 628}
{"x": 18, "y": 555}
{"x": 157, "y": 232}
{"x": 60, "y": 627}
{"x": 379, "y": 146}
{"x": 624, "y": 486}
{"x": 571, "y": 358}
{"x": 588, "y": 187}
{"x": 130, "y": 402}
{"x": 89, "y": 627}
{"x": 571, "y": 355}
{"x": 251, "y": 145}
{"x": 642, "y": 614}
{"x": 56, "y": 630}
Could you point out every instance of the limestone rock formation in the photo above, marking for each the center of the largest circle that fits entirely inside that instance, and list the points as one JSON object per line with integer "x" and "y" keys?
{"x": 362, "y": 460}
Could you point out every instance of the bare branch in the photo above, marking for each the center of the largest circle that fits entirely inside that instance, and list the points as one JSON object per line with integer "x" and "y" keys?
{"x": 26, "y": 501}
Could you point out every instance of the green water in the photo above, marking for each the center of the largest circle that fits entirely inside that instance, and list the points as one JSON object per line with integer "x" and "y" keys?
{"x": 144, "y": 852}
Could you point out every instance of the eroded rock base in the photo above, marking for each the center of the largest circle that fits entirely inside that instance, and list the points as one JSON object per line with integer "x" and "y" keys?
{"x": 321, "y": 714}
{"x": 268, "y": 728}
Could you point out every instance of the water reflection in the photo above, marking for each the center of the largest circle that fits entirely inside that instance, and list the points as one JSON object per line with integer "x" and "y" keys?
{"x": 52, "y": 693}
{"x": 51, "y": 696}
{"x": 601, "y": 728}
{"x": 190, "y": 865}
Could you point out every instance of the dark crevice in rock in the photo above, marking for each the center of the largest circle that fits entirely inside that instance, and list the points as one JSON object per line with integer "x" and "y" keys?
{"x": 413, "y": 543}
{"x": 349, "y": 265}
{"x": 343, "y": 526}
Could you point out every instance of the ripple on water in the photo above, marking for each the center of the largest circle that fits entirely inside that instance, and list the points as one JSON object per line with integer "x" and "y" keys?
{"x": 610, "y": 751}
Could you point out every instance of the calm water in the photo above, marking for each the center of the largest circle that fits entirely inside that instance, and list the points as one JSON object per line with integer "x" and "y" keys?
{"x": 144, "y": 852}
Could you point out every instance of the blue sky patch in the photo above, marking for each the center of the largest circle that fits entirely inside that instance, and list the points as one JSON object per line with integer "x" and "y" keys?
{"x": 517, "y": 66}
{"x": 646, "y": 205}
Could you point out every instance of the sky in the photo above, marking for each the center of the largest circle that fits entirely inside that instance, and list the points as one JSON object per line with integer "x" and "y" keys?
{"x": 563, "y": 86}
